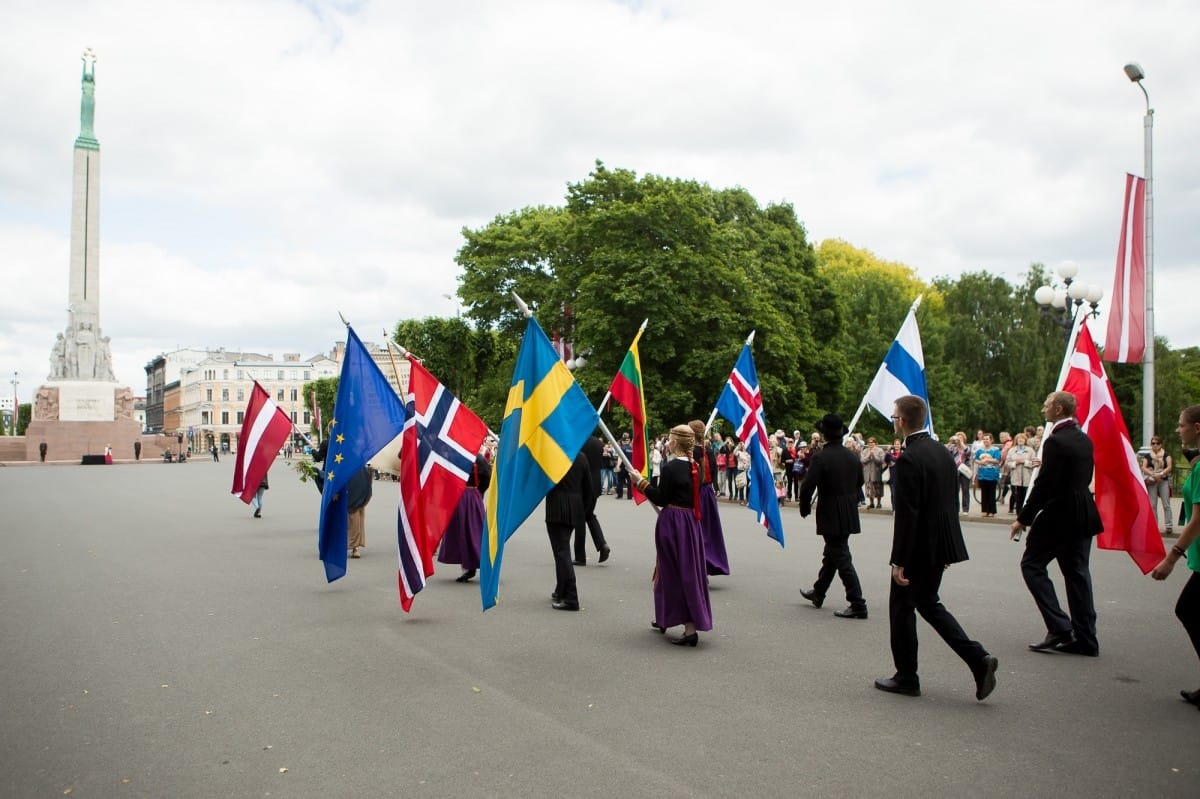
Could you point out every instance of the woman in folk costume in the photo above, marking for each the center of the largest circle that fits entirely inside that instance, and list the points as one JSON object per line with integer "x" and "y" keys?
{"x": 716, "y": 559}
{"x": 464, "y": 533}
{"x": 680, "y": 582}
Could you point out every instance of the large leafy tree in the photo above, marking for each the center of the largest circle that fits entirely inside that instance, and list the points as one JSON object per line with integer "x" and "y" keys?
{"x": 705, "y": 266}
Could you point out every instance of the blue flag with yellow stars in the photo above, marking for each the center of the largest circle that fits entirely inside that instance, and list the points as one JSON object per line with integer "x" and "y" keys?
{"x": 367, "y": 414}
{"x": 546, "y": 420}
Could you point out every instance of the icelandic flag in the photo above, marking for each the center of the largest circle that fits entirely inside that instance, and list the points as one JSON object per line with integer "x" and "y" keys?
{"x": 741, "y": 404}
{"x": 902, "y": 371}
{"x": 437, "y": 452}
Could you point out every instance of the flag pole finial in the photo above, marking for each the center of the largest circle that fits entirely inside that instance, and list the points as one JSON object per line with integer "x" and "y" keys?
{"x": 521, "y": 304}
{"x": 344, "y": 322}
{"x": 750, "y": 338}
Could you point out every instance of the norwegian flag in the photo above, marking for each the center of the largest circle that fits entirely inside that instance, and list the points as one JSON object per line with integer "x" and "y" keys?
{"x": 265, "y": 428}
{"x": 1121, "y": 497}
{"x": 437, "y": 453}
{"x": 1125, "y": 339}
{"x": 741, "y": 404}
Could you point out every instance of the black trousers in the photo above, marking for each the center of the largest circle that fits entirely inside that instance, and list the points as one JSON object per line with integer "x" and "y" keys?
{"x": 921, "y": 596}
{"x": 624, "y": 488}
{"x": 987, "y": 496}
{"x": 1072, "y": 555}
{"x": 564, "y": 570}
{"x": 964, "y": 485}
{"x": 836, "y": 559}
{"x": 1187, "y": 610}
{"x": 1016, "y": 502}
{"x": 593, "y": 527}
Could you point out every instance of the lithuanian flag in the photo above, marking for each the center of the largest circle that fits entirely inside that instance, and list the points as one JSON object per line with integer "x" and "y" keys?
{"x": 627, "y": 389}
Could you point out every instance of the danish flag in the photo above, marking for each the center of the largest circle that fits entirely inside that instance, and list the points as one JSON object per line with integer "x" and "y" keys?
{"x": 437, "y": 453}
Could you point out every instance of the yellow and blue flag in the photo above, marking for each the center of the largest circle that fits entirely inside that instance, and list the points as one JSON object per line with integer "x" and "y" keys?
{"x": 367, "y": 414}
{"x": 546, "y": 420}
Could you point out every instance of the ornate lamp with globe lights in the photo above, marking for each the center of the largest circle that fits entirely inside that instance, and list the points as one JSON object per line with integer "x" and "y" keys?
{"x": 1060, "y": 304}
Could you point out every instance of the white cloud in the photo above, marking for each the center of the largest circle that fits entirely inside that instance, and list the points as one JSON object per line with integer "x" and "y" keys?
{"x": 268, "y": 164}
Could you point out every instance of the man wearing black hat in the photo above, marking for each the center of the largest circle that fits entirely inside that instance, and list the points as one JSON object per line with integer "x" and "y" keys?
{"x": 835, "y": 474}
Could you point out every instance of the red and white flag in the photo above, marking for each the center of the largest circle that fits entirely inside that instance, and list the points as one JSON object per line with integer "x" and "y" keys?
{"x": 1121, "y": 497}
{"x": 265, "y": 428}
{"x": 437, "y": 453}
{"x": 1125, "y": 341}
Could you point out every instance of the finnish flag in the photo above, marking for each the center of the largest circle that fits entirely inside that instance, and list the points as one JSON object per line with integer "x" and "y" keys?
{"x": 902, "y": 371}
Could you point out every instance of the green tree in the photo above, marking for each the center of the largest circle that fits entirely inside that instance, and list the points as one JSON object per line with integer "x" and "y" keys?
{"x": 704, "y": 266}
{"x": 326, "y": 388}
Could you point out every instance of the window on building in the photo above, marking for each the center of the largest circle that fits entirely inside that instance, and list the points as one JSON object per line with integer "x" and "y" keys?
{"x": 241, "y": 415}
{"x": 224, "y": 417}
{"x": 279, "y": 376}
{"x": 239, "y": 374}
{"x": 203, "y": 417}
{"x": 307, "y": 418}
{"x": 306, "y": 375}
{"x": 208, "y": 394}
{"x": 295, "y": 395}
{"x": 280, "y": 395}
{"x": 241, "y": 393}
{"x": 224, "y": 395}
{"x": 293, "y": 417}
{"x": 225, "y": 374}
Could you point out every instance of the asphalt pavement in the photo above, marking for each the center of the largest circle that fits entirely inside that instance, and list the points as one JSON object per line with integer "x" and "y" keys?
{"x": 160, "y": 642}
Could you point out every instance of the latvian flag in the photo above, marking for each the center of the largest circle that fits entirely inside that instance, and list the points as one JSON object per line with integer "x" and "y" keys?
{"x": 265, "y": 429}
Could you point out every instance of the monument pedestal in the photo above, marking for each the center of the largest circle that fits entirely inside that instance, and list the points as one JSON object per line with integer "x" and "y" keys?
{"x": 81, "y": 417}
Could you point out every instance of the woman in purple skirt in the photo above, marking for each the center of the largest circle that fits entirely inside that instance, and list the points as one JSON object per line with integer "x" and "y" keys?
{"x": 464, "y": 533}
{"x": 716, "y": 558}
{"x": 680, "y": 581}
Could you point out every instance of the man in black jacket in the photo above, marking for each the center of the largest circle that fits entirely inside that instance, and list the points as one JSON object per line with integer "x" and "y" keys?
{"x": 926, "y": 539}
{"x": 1063, "y": 518}
{"x": 593, "y": 450}
{"x": 835, "y": 474}
{"x": 565, "y": 512}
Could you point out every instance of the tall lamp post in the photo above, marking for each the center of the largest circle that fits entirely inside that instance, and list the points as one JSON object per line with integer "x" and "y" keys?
{"x": 16, "y": 405}
{"x": 1060, "y": 304}
{"x": 1136, "y": 74}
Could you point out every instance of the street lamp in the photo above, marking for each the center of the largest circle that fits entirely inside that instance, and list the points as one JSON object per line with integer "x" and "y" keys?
{"x": 16, "y": 405}
{"x": 1060, "y": 304}
{"x": 1136, "y": 74}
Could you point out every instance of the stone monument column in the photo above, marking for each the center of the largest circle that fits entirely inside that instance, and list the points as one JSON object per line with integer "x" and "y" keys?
{"x": 81, "y": 408}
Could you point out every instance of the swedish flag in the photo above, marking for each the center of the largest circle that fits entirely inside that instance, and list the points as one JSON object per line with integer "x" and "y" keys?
{"x": 546, "y": 420}
{"x": 367, "y": 414}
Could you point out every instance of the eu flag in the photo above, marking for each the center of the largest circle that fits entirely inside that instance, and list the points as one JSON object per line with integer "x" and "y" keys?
{"x": 367, "y": 414}
{"x": 546, "y": 420}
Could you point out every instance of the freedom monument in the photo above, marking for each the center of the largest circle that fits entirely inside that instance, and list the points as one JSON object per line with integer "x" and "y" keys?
{"x": 81, "y": 408}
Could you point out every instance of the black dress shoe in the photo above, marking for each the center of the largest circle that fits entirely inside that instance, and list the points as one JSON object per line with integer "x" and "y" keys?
{"x": 562, "y": 604}
{"x": 465, "y": 576}
{"x": 605, "y": 551}
{"x": 851, "y": 613}
{"x": 1191, "y": 697}
{"x": 687, "y": 640}
{"x": 579, "y": 562}
{"x": 661, "y": 630}
{"x": 1078, "y": 648}
{"x": 985, "y": 677}
{"x": 1052, "y": 640}
{"x": 894, "y": 686}
{"x": 813, "y": 597}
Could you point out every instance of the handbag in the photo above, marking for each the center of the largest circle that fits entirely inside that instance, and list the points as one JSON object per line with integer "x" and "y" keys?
{"x": 739, "y": 481}
{"x": 965, "y": 470}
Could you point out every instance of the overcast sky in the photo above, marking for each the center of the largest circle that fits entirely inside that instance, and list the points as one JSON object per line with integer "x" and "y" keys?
{"x": 266, "y": 164}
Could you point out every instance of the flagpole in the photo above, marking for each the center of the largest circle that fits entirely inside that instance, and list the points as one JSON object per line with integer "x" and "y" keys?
{"x": 395, "y": 369}
{"x": 1072, "y": 337}
{"x": 712, "y": 416}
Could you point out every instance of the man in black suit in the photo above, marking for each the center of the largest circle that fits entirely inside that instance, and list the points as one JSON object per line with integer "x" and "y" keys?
{"x": 1062, "y": 518}
{"x": 836, "y": 475}
{"x": 927, "y": 538}
{"x": 593, "y": 450}
{"x": 565, "y": 506}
